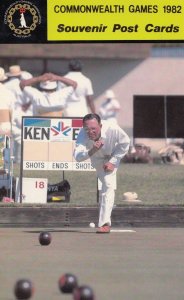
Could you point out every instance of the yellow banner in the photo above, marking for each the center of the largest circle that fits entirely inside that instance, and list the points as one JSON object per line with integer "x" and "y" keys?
{"x": 115, "y": 20}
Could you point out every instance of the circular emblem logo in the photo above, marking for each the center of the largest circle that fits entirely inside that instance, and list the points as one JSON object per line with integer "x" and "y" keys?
{"x": 22, "y": 17}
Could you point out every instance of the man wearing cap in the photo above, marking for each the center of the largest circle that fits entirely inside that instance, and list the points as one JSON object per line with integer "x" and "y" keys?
{"x": 81, "y": 101}
{"x": 15, "y": 71}
{"x": 14, "y": 76}
{"x": 48, "y": 99}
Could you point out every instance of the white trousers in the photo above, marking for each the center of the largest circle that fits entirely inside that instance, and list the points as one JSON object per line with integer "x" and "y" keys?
{"x": 107, "y": 186}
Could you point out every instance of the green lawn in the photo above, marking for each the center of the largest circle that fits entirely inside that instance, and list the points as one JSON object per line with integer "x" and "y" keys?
{"x": 155, "y": 184}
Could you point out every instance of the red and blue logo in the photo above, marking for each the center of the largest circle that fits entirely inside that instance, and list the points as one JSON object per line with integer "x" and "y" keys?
{"x": 61, "y": 128}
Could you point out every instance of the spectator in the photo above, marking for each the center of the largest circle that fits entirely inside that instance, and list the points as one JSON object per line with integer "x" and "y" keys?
{"x": 49, "y": 99}
{"x": 18, "y": 113}
{"x": 78, "y": 102}
{"x": 110, "y": 107}
{"x": 7, "y": 101}
{"x": 172, "y": 154}
{"x": 15, "y": 75}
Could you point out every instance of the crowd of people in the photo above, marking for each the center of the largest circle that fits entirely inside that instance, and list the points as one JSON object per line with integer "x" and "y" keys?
{"x": 71, "y": 95}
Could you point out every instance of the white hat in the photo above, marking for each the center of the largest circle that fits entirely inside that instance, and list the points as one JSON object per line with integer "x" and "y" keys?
{"x": 2, "y": 74}
{"x": 26, "y": 75}
{"x": 109, "y": 94}
{"x": 14, "y": 70}
{"x": 131, "y": 196}
{"x": 48, "y": 85}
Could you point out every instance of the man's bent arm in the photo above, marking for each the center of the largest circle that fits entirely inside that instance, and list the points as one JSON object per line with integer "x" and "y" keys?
{"x": 121, "y": 148}
{"x": 81, "y": 153}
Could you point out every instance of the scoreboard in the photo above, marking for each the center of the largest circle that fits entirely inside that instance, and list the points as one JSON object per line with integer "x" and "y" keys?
{"x": 48, "y": 144}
